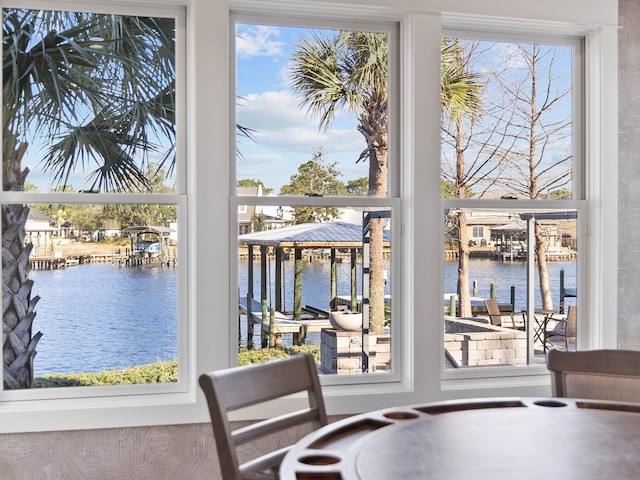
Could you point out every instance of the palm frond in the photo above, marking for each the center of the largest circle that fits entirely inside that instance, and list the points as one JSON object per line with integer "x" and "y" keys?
{"x": 57, "y": 84}
{"x": 460, "y": 89}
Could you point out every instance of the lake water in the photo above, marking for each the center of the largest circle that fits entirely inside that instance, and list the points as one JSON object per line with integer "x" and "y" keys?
{"x": 98, "y": 317}
{"x": 506, "y": 274}
{"x": 316, "y": 280}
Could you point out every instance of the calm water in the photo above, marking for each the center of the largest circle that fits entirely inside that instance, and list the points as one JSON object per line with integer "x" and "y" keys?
{"x": 316, "y": 282}
{"x": 506, "y": 274}
{"x": 98, "y": 317}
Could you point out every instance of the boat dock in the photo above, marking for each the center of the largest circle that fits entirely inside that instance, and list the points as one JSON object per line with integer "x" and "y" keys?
{"x": 283, "y": 323}
{"x": 126, "y": 258}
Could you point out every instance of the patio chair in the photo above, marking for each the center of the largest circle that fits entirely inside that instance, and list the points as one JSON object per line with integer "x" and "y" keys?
{"x": 239, "y": 387}
{"x": 564, "y": 328}
{"x": 596, "y": 374}
{"x": 496, "y": 316}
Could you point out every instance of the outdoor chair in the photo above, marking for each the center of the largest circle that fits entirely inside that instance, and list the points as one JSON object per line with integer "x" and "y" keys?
{"x": 595, "y": 374}
{"x": 239, "y": 387}
{"x": 564, "y": 328}
{"x": 496, "y": 316}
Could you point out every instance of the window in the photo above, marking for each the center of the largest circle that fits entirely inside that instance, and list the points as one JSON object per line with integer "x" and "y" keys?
{"x": 207, "y": 255}
{"x": 92, "y": 200}
{"x": 478, "y": 232}
{"x": 322, "y": 248}
{"x": 515, "y": 136}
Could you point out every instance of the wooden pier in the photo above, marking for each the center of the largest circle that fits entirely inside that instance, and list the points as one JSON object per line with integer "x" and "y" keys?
{"x": 120, "y": 258}
{"x": 47, "y": 263}
{"x": 283, "y": 323}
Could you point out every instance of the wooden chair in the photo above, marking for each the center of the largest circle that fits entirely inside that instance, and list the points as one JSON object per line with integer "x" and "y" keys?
{"x": 565, "y": 328}
{"x": 596, "y": 374}
{"x": 235, "y": 388}
{"x": 496, "y": 316}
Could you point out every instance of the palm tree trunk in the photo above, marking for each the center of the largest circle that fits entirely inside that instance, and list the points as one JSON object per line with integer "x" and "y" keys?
{"x": 19, "y": 345}
{"x": 18, "y": 341}
{"x": 376, "y": 277}
{"x": 377, "y": 188}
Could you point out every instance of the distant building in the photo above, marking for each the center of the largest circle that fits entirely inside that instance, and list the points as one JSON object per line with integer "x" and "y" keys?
{"x": 39, "y": 232}
{"x": 271, "y": 216}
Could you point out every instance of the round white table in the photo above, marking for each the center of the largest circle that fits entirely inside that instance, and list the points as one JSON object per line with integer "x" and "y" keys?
{"x": 523, "y": 438}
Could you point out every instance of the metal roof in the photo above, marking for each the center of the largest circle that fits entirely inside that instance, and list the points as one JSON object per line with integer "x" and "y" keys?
{"x": 310, "y": 235}
{"x": 164, "y": 231}
{"x": 510, "y": 228}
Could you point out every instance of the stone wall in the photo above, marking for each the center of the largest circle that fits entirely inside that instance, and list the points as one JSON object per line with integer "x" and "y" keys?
{"x": 341, "y": 352}
{"x": 473, "y": 344}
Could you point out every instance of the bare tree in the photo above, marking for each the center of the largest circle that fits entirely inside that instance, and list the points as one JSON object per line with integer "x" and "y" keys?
{"x": 464, "y": 138}
{"x": 539, "y": 159}
{"x": 515, "y": 142}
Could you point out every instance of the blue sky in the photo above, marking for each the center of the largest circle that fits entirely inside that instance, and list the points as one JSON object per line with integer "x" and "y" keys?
{"x": 285, "y": 136}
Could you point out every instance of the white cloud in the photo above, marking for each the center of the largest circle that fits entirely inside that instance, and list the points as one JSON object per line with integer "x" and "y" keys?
{"x": 261, "y": 111}
{"x": 278, "y": 121}
{"x": 258, "y": 40}
{"x": 260, "y": 159}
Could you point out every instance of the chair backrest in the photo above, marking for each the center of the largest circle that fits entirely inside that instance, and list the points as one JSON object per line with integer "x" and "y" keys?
{"x": 572, "y": 321}
{"x": 596, "y": 374}
{"x": 493, "y": 310}
{"x": 239, "y": 387}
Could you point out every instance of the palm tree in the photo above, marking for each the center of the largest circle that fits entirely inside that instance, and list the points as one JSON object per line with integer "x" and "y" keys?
{"x": 349, "y": 70}
{"x": 98, "y": 88}
{"x": 460, "y": 99}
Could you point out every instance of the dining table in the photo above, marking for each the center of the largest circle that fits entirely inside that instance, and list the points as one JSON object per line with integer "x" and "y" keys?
{"x": 499, "y": 438}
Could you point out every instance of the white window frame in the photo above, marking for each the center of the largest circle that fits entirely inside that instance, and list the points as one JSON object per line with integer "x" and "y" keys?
{"x": 209, "y": 129}
{"x": 392, "y": 201}
{"x": 502, "y": 33}
{"x": 16, "y": 402}
{"x": 590, "y": 182}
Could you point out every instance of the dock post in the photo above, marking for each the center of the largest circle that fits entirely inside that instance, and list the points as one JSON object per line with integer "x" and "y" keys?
{"x": 561, "y": 290}
{"x": 272, "y": 328}
{"x": 492, "y": 290}
{"x": 333, "y": 287}
{"x": 302, "y": 337}
{"x": 265, "y": 311}
{"x": 354, "y": 281}
{"x": 452, "y": 305}
{"x": 513, "y": 298}
{"x": 297, "y": 284}
{"x": 249, "y": 321}
{"x": 475, "y": 288}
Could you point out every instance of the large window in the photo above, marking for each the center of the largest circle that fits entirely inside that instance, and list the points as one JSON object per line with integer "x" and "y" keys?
{"x": 315, "y": 138}
{"x": 91, "y": 202}
{"x": 237, "y": 146}
{"x": 511, "y": 135}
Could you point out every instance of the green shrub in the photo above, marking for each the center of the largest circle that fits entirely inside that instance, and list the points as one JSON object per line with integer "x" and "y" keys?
{"x": 248, "y": 357}
{"x": 160, "y": 372}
